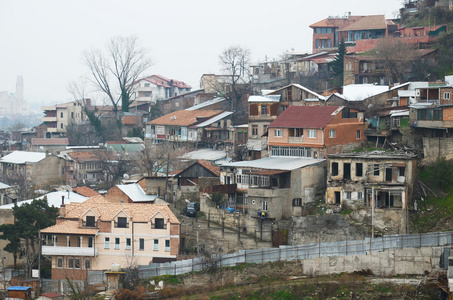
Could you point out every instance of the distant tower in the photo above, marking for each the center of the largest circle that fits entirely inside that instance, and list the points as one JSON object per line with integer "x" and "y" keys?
{"x": 19, "y": 89}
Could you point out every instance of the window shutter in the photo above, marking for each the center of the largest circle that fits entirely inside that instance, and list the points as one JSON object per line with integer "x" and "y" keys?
{"x": 253, "y": 109}
{"x": 274, "y": 109}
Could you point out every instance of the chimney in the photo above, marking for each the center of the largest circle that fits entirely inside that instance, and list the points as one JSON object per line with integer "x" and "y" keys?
{"x": 62, "y": 207}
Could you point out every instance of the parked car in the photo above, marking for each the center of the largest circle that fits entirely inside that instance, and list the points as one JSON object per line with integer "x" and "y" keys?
{"x": 194, "y": 205}
{"x": 191, "y": 212}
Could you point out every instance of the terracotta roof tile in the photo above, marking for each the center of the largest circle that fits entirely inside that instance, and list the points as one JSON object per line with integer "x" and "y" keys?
{"x": 336, "y": 22}
{"x": 131, "y": 120}
{"x": 85, "y": 191}
{"x": 368, "y": 23}
{"x": 107, "y": 210}
{"x": 210, "y": 166}
{"x": 304, "y": 117}
{"x": 40, "y": 141}
{"x": 69, "y": 227}
{"x": 184, "y": 117}
{"x": 84, "y": 156}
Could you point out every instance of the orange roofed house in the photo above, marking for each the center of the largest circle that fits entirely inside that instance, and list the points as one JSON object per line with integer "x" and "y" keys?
{"x": 315, "y": 131}
{"x": 95, "y": 234}
{"x": 202, "y": 127}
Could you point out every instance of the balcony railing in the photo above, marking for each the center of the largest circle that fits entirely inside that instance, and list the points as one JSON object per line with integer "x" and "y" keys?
{"x": 72, "y": 251}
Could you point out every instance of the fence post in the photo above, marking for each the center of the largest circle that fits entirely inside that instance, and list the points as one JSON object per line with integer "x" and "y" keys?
{"x": 346, "y": 247}
{"x": 175, "y": 270}
{"x": 420, "y": 238}
{"x": 402, "y": 241}
{"x": 192, "y": 264}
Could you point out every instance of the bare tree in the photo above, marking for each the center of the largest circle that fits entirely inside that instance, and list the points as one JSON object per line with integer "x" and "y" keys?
{"x": 396, "y": 58}
{"x": 157, "y": 158}
{"x": 115, "y": 70}
{"x": 234, "y": 61}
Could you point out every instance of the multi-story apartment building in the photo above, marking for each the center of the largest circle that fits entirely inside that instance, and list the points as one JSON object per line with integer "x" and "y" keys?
{"x": 58, "y": 117}
{"x": 381, "y": 181}
{"x": 202, "y": 127}
{"x": 263, "y": 110}
{"x": 315, "y": 131}
{"x": 157, "y": 87}
{"x": 95, "y": 234}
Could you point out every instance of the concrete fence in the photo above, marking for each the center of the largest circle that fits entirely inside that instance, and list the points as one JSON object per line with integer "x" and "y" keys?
{"x": 309, "y": 251}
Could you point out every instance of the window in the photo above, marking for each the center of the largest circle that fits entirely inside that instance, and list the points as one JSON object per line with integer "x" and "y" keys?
{"x": 107, "y": 243}
{"x": 159, "y": 223}
{"x": 90, "y": 242}
{"x": 401, "y": 171}
{"x": 147, "y": 94}
{"x": 254, "y": 129}
{"x": 156, "y": 245}
{"x": 122, "y": 222}
{"x": 167, "y": 245}
{"x": 332, "y": 133}
{"x": 348, "y": 195}
{"x": 61, "y": 115}
{"x": 128, "y": 243}
{"x": 87, "y": 264}
{"x": 77, "y": 263}
{"x": 358, "y": 134}
{"x": 278, "y": 132}
{"x": 72, "y": 115}
{"x": 61, "y": 125}
{"x": 59, "y": 262}
{"x": 141, "y": 244}
{"x": 376, "y": 170}
{"x": 90, "y": 221}
{"x": 146, "y": 84}
{"x": 117, "y": 243}
{"x": 447, "y": 95}
{"x": 70, "y": 263}
{"x": 297, "y": 202}
{"x": 311, "y": 133}
{"x": 284, "y": 107}
{"x": 358, "y": 169}
{"x": 334, "y": 170}
{"x": 264, "y": 110}
{"x": 264, "y": 205}
{"x": 360, "y": 195}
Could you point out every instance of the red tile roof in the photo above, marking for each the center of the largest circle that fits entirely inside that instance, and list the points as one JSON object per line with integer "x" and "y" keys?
{"x": 305, "y": 117}
{"x": 85, "y": 156}
{"x": 368, "y": 23}
{"x": 85, "y": 191}
{"x": 210, "y": 166}
{"x": 184, "y": 117}
{"x": 131, "y": 120}
{"x": 47, "y": 142}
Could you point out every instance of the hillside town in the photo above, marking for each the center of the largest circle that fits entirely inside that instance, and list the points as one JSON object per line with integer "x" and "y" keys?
{"x": 319, "y": 148}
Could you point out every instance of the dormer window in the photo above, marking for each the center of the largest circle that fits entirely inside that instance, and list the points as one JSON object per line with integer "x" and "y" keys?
{"x": 159, "y": 224}
{"x": 90, "y": 221}
{"x": 122, "y": 223}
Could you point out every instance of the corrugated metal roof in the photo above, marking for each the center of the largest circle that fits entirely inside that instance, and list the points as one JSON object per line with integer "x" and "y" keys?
{"x": 4, "y": 186}
{"x": 276, "y": 163}
{"x": 207, "y": 154}
{"x": 136, "y": 193}
{"x": 266, "y": 98}
{"x": 21, "y": 157}
{"x": 360, "y": 92}
{"x": 53, "y": 199}
{"x": 305, "y": 117}
{"x": 215, "y": 119}
{"x": 207, "y": 103}
{"x": 399, "y": 113}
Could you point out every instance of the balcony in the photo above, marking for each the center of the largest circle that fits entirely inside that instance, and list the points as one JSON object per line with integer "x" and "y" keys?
{"x": 295, "y": 139}
{"x": 71, "y": 251}
{"x": 49, "y": 119}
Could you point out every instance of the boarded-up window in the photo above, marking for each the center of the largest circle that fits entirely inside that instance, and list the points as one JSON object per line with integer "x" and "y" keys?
{"x": 253, "y": 109}
{"x": 274, "y": 109}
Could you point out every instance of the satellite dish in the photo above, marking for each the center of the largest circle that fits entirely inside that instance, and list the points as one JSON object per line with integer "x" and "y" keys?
{"x": 125, "y": 176}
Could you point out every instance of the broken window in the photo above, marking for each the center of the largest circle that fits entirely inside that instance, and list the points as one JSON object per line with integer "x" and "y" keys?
{"x": 347, "y": 171}
{"x": 359, "y": 169}
{"x": 334, "y": 170}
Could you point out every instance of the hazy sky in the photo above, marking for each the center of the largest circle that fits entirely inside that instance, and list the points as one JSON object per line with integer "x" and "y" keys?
{"x": 44, "y": 40}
